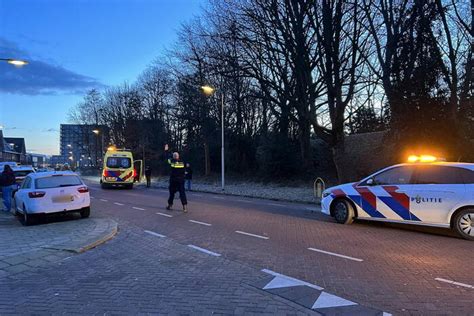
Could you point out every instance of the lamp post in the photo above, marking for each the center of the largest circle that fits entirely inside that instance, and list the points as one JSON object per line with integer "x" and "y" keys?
{"x": 209, "y": 91}
{"x": 15, "y": 62}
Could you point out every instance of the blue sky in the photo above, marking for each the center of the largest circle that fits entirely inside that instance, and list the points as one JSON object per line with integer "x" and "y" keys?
{"x": 73, "y": 46}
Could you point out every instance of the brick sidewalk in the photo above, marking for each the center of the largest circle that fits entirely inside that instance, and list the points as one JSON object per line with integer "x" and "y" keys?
{"x": 22, "y": 248}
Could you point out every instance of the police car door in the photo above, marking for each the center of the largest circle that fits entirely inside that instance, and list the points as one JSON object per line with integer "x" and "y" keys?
{"x": 437, "y": 190}
{"x": 385, "y": 195}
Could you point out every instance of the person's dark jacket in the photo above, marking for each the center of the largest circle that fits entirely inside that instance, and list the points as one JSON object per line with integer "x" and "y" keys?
{"x": 147, "y": 172}
{"x": 7, "y": 178}
{"x": 177, "y": 168}
{"x": 188, "y": 173}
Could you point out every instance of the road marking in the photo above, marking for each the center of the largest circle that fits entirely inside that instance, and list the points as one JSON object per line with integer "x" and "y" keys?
{"x": 91, "y": 197}
{"x": 218, "y": 197}
{"x": 155, "y": 234}
{"x": 120, "y": 204}
{"x": 138, "y": 208}
{"x": 335, "y": 254}
{"x": 252, "y": 235}
{"x": 455, "y": 283}
{"x": 245, "y": 201}
{"x": 200, "y": 223}
{"x": 104, "y": 200}
{"x": 199, "y": 195}
{"x": 275, "y": 204}
{"x": 289, "y": 280}
{"x": 163, "y": 214}
{"x": 215, "y": 254}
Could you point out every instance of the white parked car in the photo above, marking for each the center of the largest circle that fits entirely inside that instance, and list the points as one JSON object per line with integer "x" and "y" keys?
{"x": 51, "y": 192}
{"x": 433, "y": 194}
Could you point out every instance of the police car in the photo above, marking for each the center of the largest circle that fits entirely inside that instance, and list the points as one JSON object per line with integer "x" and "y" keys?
{"x": 423, "y": 192}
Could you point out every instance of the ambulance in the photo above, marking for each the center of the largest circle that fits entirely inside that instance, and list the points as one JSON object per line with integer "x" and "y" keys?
{"x": 119, "y": 169}
{"x": 424, "y": 191}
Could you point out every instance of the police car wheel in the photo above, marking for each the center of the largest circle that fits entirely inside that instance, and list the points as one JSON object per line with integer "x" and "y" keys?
{"x": 464, "y": 224}
{"x": 343, "y": 212}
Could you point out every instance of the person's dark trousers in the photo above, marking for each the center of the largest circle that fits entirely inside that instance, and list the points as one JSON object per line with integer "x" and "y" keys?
{"x": 148, "y": 182}
{"x": 177, "y": 186}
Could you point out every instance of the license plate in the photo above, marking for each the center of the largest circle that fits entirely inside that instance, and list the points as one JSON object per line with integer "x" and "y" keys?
{"x": 111, "y": 179}
{"x": 63, "y": 199}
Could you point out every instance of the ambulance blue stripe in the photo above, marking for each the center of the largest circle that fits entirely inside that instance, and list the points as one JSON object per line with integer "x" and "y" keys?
{"x": 396, "y": 207}
{"x": 367, "y": 207}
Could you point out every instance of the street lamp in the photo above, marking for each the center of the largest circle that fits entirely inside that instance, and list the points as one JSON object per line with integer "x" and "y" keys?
{"x": 209, "y": 91}
{"x": 15, "y": 62}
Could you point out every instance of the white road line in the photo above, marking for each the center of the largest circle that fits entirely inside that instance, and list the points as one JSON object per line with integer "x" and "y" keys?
{"x": 155, "y": 234}
{"x": 218, "y": 197}
{"x": 455, "y": 283}
{"x": 120, "y": 204}
{"x": 163, "y": 214}
{"x": 245, "y": 201}
{"x": 91, "y": 197}
{"x": 335, "y": 254}
{"x": 215, "y": 254}
{"x": 275, "y": 204}
{"x": 200, "y": 223}
{"x": 199, "y": 195}
{"x": 252, "y": 235}
{"x": 104, "y": 200}
{"x": 138, "y": 208}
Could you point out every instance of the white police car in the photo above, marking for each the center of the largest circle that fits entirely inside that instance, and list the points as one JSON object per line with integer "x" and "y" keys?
{"x": 436, "y": 193}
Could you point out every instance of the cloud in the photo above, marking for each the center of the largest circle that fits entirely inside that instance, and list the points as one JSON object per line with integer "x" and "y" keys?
{"x": 39, "y": 77}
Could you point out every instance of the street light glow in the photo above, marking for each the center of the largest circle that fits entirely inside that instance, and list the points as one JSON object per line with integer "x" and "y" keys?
{"x": 208, "y": 90}
{"x": 96, "y": 131}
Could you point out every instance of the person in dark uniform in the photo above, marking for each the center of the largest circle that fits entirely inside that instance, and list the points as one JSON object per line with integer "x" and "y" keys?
{"x": 148, "y": 176}
{"x": 176, "y": 179}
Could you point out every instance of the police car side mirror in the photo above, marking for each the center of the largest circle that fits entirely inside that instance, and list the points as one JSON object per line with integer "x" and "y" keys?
{"x": 370, "y": 181}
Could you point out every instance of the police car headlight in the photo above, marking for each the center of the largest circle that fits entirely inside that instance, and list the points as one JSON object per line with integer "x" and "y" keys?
{"x": 326, "y": 193}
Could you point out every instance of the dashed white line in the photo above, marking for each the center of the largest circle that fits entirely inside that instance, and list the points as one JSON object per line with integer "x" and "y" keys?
{"x": 218, "y": 197}
{"x": 155, "y": 234}
{"x": 199, "y": 195}
{"x": 138, "y": 208}
{"x": 245, "y": 201}
{"x": 165, "y": 215}
{"x": 92, "y": 197}
{"x": 120, "y": 204}
{"x": 252, "y": 235}
{"x": 200, "y": 223}
{"x": 215, "y": 254}
{"x": 275, "y": 204}
{"x": 455, "y": 283}
{"x": 335, "y": 254}
{"x": 104, "y": 200}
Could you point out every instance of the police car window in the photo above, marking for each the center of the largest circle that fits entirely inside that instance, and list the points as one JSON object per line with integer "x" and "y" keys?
{"x": 397, "y": 175}
{"x": 438, "y": 175}
{"x": 467, "y": 175}
{"x": 118, "y": 162}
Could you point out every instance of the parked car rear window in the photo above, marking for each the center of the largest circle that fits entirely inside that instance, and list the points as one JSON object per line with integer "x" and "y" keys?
{"x": 22, "y": 173}
{"x": 57, "y": 182}
{"x": 438, "y": 175}
{"x": 118, "y": 162}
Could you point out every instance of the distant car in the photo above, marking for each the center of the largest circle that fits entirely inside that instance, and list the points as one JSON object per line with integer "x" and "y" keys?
{"x": 51, "y": 192}
{"x": 437, "y": 194}
{"x": 21, "y": 172}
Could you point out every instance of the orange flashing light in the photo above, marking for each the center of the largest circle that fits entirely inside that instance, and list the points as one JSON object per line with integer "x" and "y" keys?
{"x": 422, "y": 158}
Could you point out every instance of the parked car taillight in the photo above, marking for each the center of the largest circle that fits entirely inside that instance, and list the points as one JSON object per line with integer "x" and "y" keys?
{"x": 83, "y": 189}
{"x": 36, "y": 194}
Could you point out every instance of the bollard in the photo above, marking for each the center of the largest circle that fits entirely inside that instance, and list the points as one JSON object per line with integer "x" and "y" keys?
{"x": 319, "y": 186}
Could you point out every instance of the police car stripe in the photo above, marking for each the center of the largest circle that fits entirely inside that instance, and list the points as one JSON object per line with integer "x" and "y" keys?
{"x": 369, "y": 202}
{"x": 399, "y": 203}
{"x": 396, "y": 207}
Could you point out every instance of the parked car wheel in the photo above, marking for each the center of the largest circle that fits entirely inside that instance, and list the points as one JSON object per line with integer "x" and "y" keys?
{"x": 463, "y": 224}
{"x": 85, "y": 212}
{"x": 27, "y": 218}
{"x": 343, "y": 211}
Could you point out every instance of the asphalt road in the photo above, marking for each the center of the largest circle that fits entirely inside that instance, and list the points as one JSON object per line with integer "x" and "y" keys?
{"x": 392, "y": 268}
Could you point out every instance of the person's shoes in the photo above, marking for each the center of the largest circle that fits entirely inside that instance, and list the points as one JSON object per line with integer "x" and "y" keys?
{"x": 185, "y": 209}
{"x": 169, "y": 207}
